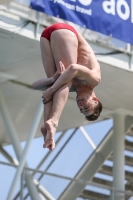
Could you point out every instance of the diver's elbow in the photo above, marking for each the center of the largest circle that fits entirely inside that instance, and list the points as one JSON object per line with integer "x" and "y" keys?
{"x": 34, "y": 86}
{"x": 97, "y": 81}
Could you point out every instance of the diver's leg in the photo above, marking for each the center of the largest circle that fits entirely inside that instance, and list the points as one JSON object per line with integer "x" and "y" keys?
{"x": 49, "y": 67}
{"x": 59, "y": 101}
{"x": 65, "y": 51}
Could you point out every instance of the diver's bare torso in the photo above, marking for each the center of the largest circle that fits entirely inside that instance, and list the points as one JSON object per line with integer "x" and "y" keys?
{"x": 85, "y": 54}
{"x": 78, "y": 47}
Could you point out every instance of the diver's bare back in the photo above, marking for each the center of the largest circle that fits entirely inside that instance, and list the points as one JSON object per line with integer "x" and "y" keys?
{"x": 66, "y": 45}
{"x": 87, "y": 58}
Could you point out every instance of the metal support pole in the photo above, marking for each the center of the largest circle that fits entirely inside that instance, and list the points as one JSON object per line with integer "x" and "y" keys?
{"x": 25, "y": 152}
{"x": 87, "y": 137}
{"x": 22, "y": 185}
{"x": 8, "y": 157}
{"x": 12, "y": 133}
{"x": 118, "y": 155}
{"x": 131, "y": 59}
{"x": 40, "y": 164}
{"x": 78, "y": 180}
{"x": 37, "y": 24}
{"x": 43, "y": 191}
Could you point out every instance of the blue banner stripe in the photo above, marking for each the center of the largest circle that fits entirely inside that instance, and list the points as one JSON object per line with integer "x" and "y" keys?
{"x": 110, "y": 17}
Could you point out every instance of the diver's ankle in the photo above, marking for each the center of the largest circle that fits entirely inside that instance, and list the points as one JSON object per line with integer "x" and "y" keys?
{"x": 55, "y": 124}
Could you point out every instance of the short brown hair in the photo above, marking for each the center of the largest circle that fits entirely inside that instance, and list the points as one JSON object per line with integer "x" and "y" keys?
{"x": 96, "y": 113}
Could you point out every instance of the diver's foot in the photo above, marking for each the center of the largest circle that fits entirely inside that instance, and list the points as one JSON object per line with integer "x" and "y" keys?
{"x": 51, "y": 129}
{"x": 44, "y": 133}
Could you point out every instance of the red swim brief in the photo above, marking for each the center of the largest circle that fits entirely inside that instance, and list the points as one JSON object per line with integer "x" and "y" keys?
{"x": 48, "y": 31}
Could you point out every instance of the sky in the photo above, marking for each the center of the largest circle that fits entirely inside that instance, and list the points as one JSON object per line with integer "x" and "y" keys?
{"x": 73, "y": 154}
{"x": 71, "y": 158}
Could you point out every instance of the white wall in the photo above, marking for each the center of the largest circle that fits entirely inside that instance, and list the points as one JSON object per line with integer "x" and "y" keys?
{"x": 25, "y": 2}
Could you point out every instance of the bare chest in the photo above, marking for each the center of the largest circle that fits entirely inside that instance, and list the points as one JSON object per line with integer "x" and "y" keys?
{"x": 79, "y": 83}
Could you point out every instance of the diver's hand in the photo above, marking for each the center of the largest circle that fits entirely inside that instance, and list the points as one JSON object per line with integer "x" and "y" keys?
{"x": 47, "y": 95}
{"x": 60, "y": 70}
